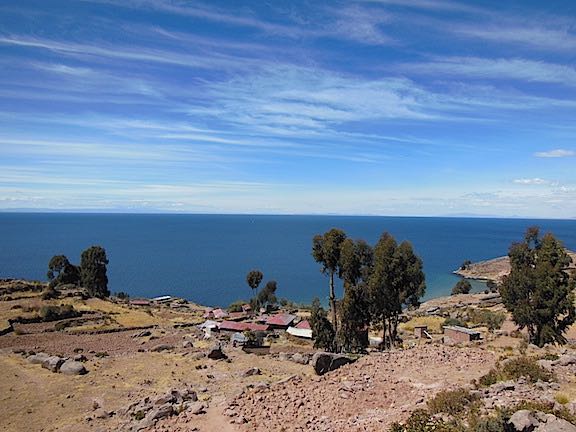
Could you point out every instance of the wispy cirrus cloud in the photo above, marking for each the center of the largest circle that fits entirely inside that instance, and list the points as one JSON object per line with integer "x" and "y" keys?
{"x": 533, "y": 181}
{"x": 556, "y": 153}
{"x": 496, "y": 69}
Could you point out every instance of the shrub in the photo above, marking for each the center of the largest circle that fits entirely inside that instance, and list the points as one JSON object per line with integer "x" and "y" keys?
{"x": 516, "y": 368}
{"x": 492, "y": 320}
{"x": 236, "y": 306}
{"x": 454, "y": 402}
{"x": 561, "y": 398}
{"x": 49, "y": 293}
{"x": 122, "y": 295}
{"x": 462, "y": 287}
{"x": 55, "y": 313}
{"x": 454, "y": 322}
{"x": 422, "y": 421}
{"x": 550, "y": 356}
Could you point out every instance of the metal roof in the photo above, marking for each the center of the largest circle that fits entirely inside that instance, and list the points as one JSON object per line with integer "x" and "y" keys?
{"x": 300, "y": 332}
{"x": 462, "y": 330}
{"x": 283, "y": 320}
{"x": 304, "y": 324}
{"x": 242, "y": 326}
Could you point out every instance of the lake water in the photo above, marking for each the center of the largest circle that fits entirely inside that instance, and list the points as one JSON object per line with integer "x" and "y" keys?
{"x": 205, "y": 258}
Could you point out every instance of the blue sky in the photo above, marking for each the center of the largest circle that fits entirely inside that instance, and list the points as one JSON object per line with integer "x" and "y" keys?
{"x": 389, "y": 107}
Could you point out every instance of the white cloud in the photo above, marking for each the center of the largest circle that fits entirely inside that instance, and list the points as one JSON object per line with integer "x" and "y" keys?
{"x": 557, "y": 153}
{"x": 532, "y": 181}
{"x": 504, "y": 68}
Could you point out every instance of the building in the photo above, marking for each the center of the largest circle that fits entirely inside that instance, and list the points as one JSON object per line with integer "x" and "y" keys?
{"x": 300, "y": 332}
{"x": 280, "y": 321}
{"x": 140, "y": 302}
{"x": 421, "y": 332}
{"x": 304, "y": 324}
{"x": 457, "y": 334}
{"x": 242, "y": 326}
{"x": 219, "y": 313}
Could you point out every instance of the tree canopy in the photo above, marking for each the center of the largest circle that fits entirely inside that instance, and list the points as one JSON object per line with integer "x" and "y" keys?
{"x": 253, "y": 279}
{"x": 61, "y": 271}
{"x": 326, "y": 250}
{"x": 538, "y": 292}
{"x": 462, "y": 287}
{"x": 93, "y": 271}
{"x": 322, "y": 330}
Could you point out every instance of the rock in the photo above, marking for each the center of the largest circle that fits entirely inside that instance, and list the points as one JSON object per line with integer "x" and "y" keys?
{"x": 71, "y": 367}
{"x": 38, "y": 358}
{"x": 566, "y": 360}
{"x": 187, "y": 344}
{"x": 216, "y": 353}
{"x": 165, "y": 399}
{"x": 546, "y": 364}
{"x": 284, "y": 356}
{"x": 53, "y": 363}
{"x": 160, "y": 412}
{"x": 251, "y": 372}
{"x": 142, "y": 334}
{"x": 162, "y": 347}
{"x": 101, "y": 414}
{"x": 197, "y": 408}
{"x": 197, "y": 356}
{"x": 300, "y": 358}
{"x": 523, "y": 421}
{"x": 551, "y": 423}
{"x": 324, "y": 362}
{"x": 502, "y": 386}
{"x": 79, "y": 358}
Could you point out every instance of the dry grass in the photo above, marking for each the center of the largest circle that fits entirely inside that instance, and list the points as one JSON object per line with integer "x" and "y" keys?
{"x": 433, "y": 323}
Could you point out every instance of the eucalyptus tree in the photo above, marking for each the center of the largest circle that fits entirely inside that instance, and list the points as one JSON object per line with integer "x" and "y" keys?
{"x": 253, "y": 279}
{"x": 93, "y": 271}
{"x": 538, "y": 292}
{"x": 326, "y": 250}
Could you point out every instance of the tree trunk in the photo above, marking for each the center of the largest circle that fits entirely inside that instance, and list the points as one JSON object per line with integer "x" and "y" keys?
{"x": 383, "y": 333}
{"x": 333, "y": 303}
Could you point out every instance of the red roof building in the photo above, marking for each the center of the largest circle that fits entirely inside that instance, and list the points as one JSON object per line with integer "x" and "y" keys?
{"x": 280, "y": 320}
{"x": 219, "y": 313}
{"x": 304, "y": 324}
{"x": 242, "y": 326}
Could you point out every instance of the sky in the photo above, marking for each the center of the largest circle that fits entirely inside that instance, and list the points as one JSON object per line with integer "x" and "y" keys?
{"x": 358, "y": 107}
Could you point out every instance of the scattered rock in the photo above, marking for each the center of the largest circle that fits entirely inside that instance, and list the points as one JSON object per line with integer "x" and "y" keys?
{"x": 143, "y": 333}
{"x": 324, "y": 362}
{"x": 300, "y": 358}
{"x": 162, "y": 347}
{"x": 79, "y": 358}
{"x": 187, "y": 344}
{"x": 566, "y": 360}
{"x": 38, "y": 358}
{"x": 52, "y": 363}
{"x": 216, "y": 353}
{"x": 503, "y": 386}
{"x": 251, "y": 372}
{"x": 197, "y": 408}
{"x": 101, "y": 414}
{"x": 523, "y": 421}
{"x": 71, "y": 367}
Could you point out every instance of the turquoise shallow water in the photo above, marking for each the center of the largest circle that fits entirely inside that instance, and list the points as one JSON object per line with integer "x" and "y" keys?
{"x": 205, "y": 257}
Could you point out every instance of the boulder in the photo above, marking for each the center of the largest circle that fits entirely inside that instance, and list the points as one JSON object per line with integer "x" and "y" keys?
{"x": 324, "y": 362}
{"x": 162, "y": 347}
{"x": 551, "y": 423}
{"x": 187, "y": 344}
{"x": 503, "y": 386}
{"x": 523, "y": 421}
{"x": 142, "y": 334}
{"x": 80, "y": 358}
{"x": 52, "y": 363}
{"x": 216, "y": 353}
{"x": 251, "y": 372}
{"x": 197, "y": 408}
{"x": 566, "y": 360}
{"x": 38, "y": 358}
{"x": 300, "y": 358}
{"x": 71, "y": 367}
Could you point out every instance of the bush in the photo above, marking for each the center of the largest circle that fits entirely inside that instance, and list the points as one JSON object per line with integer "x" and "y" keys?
{"x": 453, "y": 402}
{"x": 55, "y": 313}
{"x": 422, "y": 421}
{"x": 122, "y": 295}
{"x": 236, "y": 306}
{"x": 49, "y": 293}
{"x": 454, "y": 322}
{"x": 516, "y": 368}
{"x": 492, "y": 320}
{"x": 462, "y": 287}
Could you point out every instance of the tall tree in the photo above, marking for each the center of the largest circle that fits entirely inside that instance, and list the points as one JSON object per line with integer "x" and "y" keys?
{"x": 60, "y": 271}
{"x": 322, "y": 330}
{"x": 354, "y": 318}
{"x": 253, "y": 279}
{"x": 93, "y": 271}
{"x": 538, "y": 292}
{"x": 397, "y": 280}
{"x": 381, "y": 285}
{"x": 267, "y": 296}
{"x": 326, "y": 251}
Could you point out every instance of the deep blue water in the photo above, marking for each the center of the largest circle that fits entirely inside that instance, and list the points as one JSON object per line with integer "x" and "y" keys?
{"x": 205, "y": 258}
